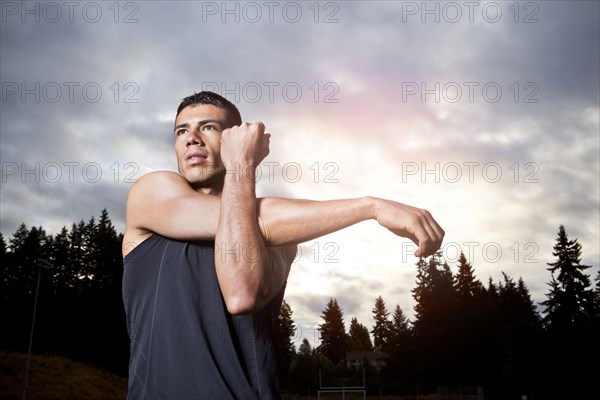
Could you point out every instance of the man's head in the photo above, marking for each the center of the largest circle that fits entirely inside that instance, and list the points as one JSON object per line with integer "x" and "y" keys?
{"x": 200, "y": 120}
{"x": 232, "y": 113}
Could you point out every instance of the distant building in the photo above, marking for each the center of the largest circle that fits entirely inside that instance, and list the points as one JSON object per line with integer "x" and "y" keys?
{"x": 375, "y": 358}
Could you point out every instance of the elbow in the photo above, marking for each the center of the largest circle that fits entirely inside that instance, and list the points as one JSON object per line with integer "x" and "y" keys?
{"x": 247, "y": 300}
{"x": 240, "y": 305}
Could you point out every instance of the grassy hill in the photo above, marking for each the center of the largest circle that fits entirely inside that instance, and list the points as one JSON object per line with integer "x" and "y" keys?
{"x": 57, "y": 377}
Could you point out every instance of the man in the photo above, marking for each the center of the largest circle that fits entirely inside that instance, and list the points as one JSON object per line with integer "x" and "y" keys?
{"x": 206, "y": 262}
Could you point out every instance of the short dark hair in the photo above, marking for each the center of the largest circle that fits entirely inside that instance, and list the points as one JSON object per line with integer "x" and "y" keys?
{"x": 205, "y": 97}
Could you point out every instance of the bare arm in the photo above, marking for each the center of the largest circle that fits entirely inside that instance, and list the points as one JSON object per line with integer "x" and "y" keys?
{"x": 247, "y": 278}
{"x": 164, "y": 203}
{"x": 177, "y": 211}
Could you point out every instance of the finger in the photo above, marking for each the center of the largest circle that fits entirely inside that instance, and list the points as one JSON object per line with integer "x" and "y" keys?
{"x": 436, "y": 232}
{"x": 421, "y": 239}
{"x": 435, "y": 237}
{"x": 429, "y": 241}
{"x": 439, "y": 232}
{"x": 424, "y": 249}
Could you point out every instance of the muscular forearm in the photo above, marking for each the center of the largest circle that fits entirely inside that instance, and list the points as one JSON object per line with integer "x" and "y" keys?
{"x": 295, "y": 221}
{"x": 246, "y": 275}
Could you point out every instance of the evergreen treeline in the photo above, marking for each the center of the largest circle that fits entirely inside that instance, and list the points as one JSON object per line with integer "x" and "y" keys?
{"x": 464, "y": 333}
{"x": 77, "y": 274}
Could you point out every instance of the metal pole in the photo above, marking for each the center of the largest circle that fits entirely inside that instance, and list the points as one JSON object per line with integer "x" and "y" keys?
{"x": 37, "y": 290}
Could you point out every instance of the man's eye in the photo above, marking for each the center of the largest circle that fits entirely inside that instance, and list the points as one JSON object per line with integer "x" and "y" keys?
{"x": 180, "y": 132}
{"x": 208, "y": 127}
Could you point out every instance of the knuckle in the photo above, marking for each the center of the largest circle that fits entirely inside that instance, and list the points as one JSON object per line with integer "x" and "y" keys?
{"x": 414, "y": 219}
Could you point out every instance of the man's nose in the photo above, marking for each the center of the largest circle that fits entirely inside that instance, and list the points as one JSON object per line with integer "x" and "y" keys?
{"x": 194, "y": 137}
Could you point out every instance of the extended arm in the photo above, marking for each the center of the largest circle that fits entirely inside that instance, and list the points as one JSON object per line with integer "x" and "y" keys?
{"x": 297, "y": 221}
{"x": 179, "y": 212}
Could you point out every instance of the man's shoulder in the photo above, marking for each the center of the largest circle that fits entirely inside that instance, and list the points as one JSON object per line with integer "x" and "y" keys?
{"x": 144, "y": 201}
{"x": 158, "y": 182}
{"x": 160, "y": 176}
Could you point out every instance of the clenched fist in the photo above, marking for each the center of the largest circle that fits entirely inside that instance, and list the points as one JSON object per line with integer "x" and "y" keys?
{"x": 247, "y": 144}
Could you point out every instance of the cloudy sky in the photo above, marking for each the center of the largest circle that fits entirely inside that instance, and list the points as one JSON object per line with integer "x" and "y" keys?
{"x": 485, "y": 113}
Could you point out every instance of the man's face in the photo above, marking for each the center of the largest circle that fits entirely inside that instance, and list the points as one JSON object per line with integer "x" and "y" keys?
{"x": 198, "y": 145}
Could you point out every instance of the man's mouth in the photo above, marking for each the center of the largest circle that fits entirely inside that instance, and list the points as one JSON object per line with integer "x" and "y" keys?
{"x": 195, "y": 158}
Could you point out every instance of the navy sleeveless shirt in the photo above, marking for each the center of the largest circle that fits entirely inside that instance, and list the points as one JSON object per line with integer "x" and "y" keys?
{"x": 184, "y": 342}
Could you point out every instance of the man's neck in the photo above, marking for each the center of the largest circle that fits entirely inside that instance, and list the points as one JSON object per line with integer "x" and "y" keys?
{"x": 211, "y": 189}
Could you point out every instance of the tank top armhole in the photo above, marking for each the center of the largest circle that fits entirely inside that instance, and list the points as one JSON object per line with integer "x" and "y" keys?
{"x": 136, "y": 249}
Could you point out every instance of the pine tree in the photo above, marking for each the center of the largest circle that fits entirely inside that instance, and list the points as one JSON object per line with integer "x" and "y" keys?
{"x": 469, "y": 337}
{"x": 382, "y": 330}
{"x": 465, "y": 284}
{"x": 434, "y": 295}
{"x": 107, "y": 255}
{"x": 89, "y": 268}
{"x": 19, "y": 273}
{"x": 434, "y": 326}
{"x": 491, "y": 334}
{"x": 4, "y": 269}
{"x": 521, "y": 330}
{"x": 597, "y": 299}
{"x": 333, "y": 333}
{"x": 421, "y": 293}
{"x": 63, "y": 276}
{"x": 358, "y": 337}
{"x": 569, "y": 316}
{"x": 401, "y": 332}
{"x": 569, "y": 303}
{"x": 305, "y": 350}
{"x": 399, "y": 367}
{"x": 282, "y": 341}
{"x": 27, "y": 247}
{"x": 401, "y": 340}
{"x": 2, "y": 247}
{"x": 304, "y": 375}
{"x": 596, "y": 321}
{"x": 77, "y": 251}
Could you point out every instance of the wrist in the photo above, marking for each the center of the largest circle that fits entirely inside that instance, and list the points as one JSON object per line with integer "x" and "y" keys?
{"x": 370, "y": 205}
{"x": 240, "y": 172}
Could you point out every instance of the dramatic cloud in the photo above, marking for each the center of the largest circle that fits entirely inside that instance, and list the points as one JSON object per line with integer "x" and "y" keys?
{"x": 485, "y": 113}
